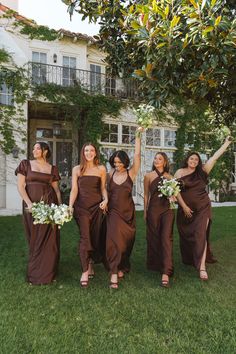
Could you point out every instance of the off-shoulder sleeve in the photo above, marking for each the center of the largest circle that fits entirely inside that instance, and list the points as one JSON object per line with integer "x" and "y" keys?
{"x": 22, "y": 168}
{"x": 55, "y": 174}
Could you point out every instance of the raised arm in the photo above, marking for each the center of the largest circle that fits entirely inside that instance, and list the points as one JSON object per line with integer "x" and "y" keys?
{"x": 22, "y": 191}
{"x": 212, "y": 160}
{"x": 74, "y": 187}
{"x": 103, "y": 204}
{"x": 146, "y": 183}
{"x": 137, "y": 155}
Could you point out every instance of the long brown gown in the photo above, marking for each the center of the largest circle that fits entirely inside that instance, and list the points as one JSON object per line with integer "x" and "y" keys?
{"x": 43, "y": 239}
{"x": 160, "y": 219}
{"x": 89, "y": 218}
{"x": 120, "y": 225}
{"x": 194, "y": 232}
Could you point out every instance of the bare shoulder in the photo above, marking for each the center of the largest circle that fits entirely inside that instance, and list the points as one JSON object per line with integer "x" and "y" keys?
{"x": 76, "y": 170}
{"x": 112, "y": 170}
{"x": 149, "y": 176}
{"x": 179, "y": 173}
{"x": 102, "y": 168}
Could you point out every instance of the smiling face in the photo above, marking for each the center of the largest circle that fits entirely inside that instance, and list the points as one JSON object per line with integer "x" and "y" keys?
{"x": 193, "y": 161}
{"x": 159, "y": 162}
{"x": 118, "y": 164}
{"x": 89, "y": 153}
{"x": 37, "y": 151}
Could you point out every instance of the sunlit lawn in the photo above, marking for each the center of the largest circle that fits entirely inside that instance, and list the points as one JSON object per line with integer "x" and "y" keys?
{"x": 141, "y": 317}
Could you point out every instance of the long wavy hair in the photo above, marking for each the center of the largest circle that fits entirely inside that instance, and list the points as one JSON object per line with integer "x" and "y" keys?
{"x": 166, "y": 162}
{"x": 83, "y": 161}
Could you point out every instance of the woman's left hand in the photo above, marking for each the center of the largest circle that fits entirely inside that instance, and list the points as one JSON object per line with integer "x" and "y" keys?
{"x": 172, "y": 199}
{"x": 103, "y": 205}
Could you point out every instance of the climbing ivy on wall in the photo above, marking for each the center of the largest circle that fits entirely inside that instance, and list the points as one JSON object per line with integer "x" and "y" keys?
{"x": 12, "y": 116}
{"x": 86, "y": 111}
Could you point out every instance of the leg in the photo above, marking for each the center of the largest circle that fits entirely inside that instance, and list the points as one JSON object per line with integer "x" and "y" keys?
{"x": 114, "y": 281}
{"x": 165, "y": 281}
{"x": 84, "y": 280}
{"x": 203, "y": 273}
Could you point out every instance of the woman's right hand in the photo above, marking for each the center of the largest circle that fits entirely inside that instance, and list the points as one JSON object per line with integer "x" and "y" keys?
{"x": 188, "y": 212}
{"x": 71, "y": 210}
{"x": 29, "y": 207}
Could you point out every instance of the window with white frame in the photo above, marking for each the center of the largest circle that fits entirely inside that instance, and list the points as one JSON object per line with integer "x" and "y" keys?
{"x": 6, "y": 95}
{"x": 110, "y": 133}
{"x": 169, "y": 138}
{"x": 69, "y": 71}
{"x": 95, "y": 77}
{"x": 153, "y": 137}
{"x": 128, "y": 134}
{"x": 39, "y": 67}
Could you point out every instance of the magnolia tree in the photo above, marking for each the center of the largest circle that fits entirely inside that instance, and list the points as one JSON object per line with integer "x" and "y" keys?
{"x": 175, "y": 47}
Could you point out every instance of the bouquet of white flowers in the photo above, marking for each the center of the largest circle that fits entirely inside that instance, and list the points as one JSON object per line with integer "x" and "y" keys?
{"x": 169, "y": 188}
{"x": 50, "y": 214}
{"x": 145, "y": 117}
{"x": 41, "y": 213}
{"x": 60, "y": 214}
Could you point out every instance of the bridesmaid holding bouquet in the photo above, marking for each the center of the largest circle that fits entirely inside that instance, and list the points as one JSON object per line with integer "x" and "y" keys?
{"x": 159, "y": 219}
{"x": 38, "y": 181}
{"x": 194, "y": 213}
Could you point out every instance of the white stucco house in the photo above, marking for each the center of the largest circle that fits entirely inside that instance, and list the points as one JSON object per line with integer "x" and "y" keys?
{"x": 73, "y": 56}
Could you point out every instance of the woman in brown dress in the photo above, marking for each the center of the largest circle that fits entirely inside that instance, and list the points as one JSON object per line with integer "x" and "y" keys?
{"x": 194, "y": 213}
{"x": 89, "y": 198}
{"x": 159, "y": 220}
{"x": 121, "y": 212}
{"x": 38, "y": 180}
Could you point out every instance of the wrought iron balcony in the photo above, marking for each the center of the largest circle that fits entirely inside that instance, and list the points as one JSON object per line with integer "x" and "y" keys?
{"x": 92, "y": 82}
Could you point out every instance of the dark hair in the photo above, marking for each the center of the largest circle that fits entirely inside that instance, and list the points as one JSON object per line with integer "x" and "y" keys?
{"x": 166, "y": 162}
{"x": 122, "y": 155}
{"x": 199, "y": 168}
{"x": 185, "y": 161}
{"x": 83, "y": 162}
{"x": 44, "y": 147}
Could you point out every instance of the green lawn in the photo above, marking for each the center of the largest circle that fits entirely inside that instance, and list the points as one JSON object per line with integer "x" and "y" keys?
{"x": 141, "y": 317}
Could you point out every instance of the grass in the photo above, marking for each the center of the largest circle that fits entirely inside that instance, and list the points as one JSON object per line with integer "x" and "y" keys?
{"x": 141, "y": 317}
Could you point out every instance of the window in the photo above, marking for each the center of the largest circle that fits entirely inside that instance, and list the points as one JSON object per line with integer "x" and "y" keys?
{"x": 95, "y": 77}
{"x": 6, "y": 95}
{"x": 61, "y": 148}
{"x": 128, "y": 134}
{"x": 153, "y": 137}
{"x": 39, "y": 68}
{"x": 69, "y": 71}
{"x": 169, "y": 138}
{"x": 110, "y": 84}
{"x": 110, "y": 133}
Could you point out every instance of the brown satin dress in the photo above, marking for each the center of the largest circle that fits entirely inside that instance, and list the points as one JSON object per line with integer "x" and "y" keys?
{"x": 43, "y": 239}
{"x": 160, "y": 219}
{"x": 120, "y": 225}
{"x": 194, "y": 231}
{"x": 89, "y": 218}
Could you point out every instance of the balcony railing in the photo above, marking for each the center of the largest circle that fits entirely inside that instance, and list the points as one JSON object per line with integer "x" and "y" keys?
{"x": 93, "y": 82}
